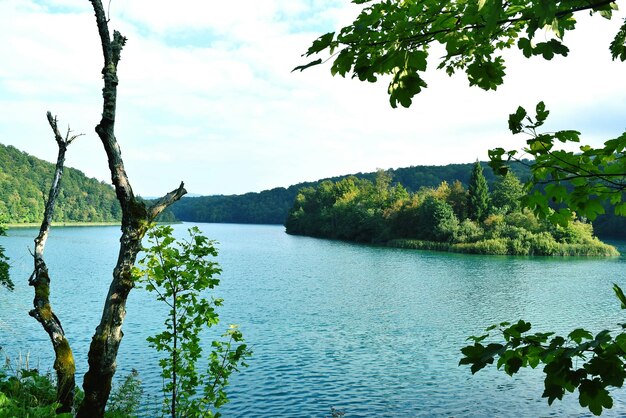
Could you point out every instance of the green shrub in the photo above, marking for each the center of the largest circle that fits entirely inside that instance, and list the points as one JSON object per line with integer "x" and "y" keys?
{"x": 495, "y": 246}
{"x": 543, "y": 244}
{"x": 469, "y": 231}
{"x": 416, "y": 244}
{"x": 26, "y": 393}
{"x": 525, "y": 220}
{"x": 125, "y": 400}
{"x": 519, "y": 246}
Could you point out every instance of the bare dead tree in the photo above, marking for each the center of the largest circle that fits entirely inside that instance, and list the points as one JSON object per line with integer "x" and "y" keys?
{"x": 136, "y": 218}
{"x": 40, "y": 280}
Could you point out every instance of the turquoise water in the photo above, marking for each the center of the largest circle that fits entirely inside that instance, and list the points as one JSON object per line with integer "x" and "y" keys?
{"x": 371, "y": 331}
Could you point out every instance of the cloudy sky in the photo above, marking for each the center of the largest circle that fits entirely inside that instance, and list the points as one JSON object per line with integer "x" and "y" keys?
{"x": 206, "y": 95}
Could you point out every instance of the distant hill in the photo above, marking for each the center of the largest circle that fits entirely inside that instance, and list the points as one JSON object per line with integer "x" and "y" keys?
{"x": 272, "y": 206}
{"x": 24, "y": 184}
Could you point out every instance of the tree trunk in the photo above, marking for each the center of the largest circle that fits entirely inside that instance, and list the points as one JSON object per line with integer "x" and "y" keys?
{"x": 40, "y": 280}
{"x": 136, "y": 218}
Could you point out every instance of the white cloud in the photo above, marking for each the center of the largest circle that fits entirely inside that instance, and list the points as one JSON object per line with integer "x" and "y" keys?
{"x": 206, "y": 95}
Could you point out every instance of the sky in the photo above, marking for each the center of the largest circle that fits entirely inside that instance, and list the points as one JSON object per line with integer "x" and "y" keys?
{"x": 207, "y": 96}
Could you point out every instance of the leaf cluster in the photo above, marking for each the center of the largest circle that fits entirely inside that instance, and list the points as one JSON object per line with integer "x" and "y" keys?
{"x": 581, "y": 361}
{"x": 572, "y": 183}
{"x": 394, "y": 37}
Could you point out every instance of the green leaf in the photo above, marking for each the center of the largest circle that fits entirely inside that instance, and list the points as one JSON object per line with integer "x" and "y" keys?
{"x": 526, "y": 47}
{"x": 565, "y": 136}
{"x": 542, "y": 113}
{"x": 620, "y": 340}
{"x": 405, "y": 84}
{"x": 515, "y": 120}
{"x": 477, "y": 339}
{"x": 320, "y": 44}
{"x": 594, "y": 396}
{"x": 579, "y": 334}
{"x": 620, "y": 209}
{"x": 620, "y": 295}
{"x": 343, "y": 63}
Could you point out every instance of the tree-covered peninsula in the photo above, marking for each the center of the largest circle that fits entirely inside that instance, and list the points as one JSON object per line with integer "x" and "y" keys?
{"x": 449, "y": 217}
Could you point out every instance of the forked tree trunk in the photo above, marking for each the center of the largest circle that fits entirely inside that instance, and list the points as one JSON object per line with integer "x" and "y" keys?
{"x": 40, "y": 280}
{"x": 136, "y": 218}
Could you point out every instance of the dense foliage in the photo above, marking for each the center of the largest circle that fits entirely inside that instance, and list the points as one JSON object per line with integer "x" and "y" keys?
{"x": 585, "y": 182}
{"x": 436, "y": 218}
{"x": 24, "y": 183}
{"x": 23, "y": 179}
{"x": 180, "y": 272}
{"x": 27, "y": 393}
{"x": 272, "y": 206}
{"x": 393, "y": 38}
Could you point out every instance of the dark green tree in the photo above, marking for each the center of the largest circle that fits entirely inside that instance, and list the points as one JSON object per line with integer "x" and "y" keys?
{"x": 436, "y": 221}
{"x": 457, "y": 198}
{"x": 477, "y": 194}
{"x": 507, "y": 194}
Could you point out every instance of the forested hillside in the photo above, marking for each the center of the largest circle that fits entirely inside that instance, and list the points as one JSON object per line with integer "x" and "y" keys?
{"x": 272, "y": 206}
{"x": 24, "y": 183}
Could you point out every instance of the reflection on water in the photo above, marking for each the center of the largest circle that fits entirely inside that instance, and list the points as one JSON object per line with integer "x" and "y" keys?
{"x": 371, "y": 331}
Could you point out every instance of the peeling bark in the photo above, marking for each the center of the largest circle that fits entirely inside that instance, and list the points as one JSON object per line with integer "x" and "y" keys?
{"x": 136, "y": 218}
{"x": 40, "y": 280}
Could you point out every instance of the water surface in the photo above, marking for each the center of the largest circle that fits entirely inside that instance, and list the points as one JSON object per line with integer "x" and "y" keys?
{"x": 371, "y": 331}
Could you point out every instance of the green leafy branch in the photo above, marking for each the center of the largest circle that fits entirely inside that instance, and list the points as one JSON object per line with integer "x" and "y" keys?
{"x": 393, "y": 38}
{"x": 179, "y": 272}
{"x": 579, "y": 361}
{"x": 577, "y": 183}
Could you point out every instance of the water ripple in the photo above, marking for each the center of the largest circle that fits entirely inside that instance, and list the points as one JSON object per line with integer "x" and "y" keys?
{"x": 370, "y": 331}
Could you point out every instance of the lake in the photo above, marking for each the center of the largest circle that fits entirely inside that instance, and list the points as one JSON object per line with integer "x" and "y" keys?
{"x": 371, "y": 331}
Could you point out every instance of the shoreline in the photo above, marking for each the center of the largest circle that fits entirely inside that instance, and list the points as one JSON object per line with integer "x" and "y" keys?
{"x": 70, "y": 223}
{"x": 56, "y": 224}
{"x": 596, "y": 249}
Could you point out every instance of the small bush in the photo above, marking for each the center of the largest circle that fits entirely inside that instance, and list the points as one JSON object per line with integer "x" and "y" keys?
{"x": 26, "y": 393}
{"x": 125, "y": 400}
{"x": 495, "y": 246}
